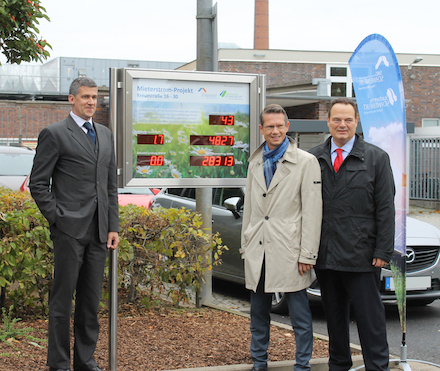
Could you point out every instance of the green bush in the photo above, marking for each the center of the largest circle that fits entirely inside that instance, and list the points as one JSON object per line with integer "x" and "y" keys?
{"x": 26, "y": 262}
{"x": 162, "y": 251}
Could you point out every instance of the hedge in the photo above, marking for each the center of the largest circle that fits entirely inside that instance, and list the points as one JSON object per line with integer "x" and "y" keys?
{"x": 161, "y": 252}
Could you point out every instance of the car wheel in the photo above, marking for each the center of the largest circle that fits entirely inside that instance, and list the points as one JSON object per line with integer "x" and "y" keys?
{"x": 279, "y": 303}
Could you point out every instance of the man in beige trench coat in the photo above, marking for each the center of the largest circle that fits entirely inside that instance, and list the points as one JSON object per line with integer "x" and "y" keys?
{"x": 280, "y": 235}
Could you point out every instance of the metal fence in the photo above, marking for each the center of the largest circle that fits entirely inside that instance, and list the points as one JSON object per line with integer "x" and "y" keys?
{"x": 425, "y": 169}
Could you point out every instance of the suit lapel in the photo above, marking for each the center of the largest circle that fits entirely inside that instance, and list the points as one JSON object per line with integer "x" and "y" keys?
{"x": 80, "y": 136}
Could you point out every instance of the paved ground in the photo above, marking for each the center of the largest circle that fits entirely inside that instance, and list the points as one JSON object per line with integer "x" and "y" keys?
{"x": 242, "y": 307}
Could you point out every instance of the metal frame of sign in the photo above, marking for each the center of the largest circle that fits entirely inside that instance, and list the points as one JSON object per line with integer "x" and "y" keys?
{"x": 184, "y": 128}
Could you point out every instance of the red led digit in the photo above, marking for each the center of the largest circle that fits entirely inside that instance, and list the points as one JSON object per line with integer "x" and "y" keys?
{"x": 156, "y": 160}
{"x": 158, "y": 139}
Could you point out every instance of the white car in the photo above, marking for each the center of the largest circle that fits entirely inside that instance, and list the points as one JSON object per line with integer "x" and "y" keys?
{"x": 15, "y": 165}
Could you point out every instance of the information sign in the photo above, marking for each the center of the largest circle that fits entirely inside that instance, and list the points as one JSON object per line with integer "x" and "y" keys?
{"x": 186, "y": 128}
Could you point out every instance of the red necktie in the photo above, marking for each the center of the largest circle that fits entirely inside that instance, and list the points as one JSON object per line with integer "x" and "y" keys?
{"x": 338, "y": 160}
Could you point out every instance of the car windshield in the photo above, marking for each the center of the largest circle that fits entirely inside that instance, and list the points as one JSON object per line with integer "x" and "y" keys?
{"x": 16, "y": 164}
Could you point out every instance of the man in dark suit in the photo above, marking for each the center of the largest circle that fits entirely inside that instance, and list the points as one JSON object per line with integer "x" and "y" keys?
{"x": 73, "y": 182}
{"x": 357, "y": 238}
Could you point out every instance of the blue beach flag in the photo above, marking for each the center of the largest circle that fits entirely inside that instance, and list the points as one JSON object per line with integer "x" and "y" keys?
{"x": 379, "y": 94}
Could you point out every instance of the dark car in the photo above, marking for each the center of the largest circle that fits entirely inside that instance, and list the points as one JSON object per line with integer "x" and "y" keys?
{"x": 423, "y": 246}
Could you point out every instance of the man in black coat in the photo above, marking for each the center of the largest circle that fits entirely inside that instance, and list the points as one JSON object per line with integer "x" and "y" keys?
{"x": 73, "y": 182}
{"x": 357, "y": 237}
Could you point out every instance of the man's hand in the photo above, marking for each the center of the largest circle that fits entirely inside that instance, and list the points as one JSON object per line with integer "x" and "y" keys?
{"x": 304, "y": 268}
{"x": 379, "y": 263}
{"x": 112, "y": 240}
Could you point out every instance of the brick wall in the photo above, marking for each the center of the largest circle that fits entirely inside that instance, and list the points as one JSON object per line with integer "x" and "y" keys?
{"x": 421, "y": 86}
{"x": 422, "y": 93}
{"x": 312, "y": 111}
{"x": 25, "y": 119}
{"x": 277, "y": 73}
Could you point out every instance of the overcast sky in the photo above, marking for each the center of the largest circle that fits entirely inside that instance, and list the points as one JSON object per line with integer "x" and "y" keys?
{"x": 165, "y": 30}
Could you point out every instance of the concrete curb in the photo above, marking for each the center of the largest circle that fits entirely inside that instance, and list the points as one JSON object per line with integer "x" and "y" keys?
{"x": 317, "y": 364}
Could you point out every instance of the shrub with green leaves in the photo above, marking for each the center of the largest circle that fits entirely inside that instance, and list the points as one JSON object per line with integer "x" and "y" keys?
{"x": 161, "y": 251}
{"x": 26, "y": 261}
{"x": 165, "y": 251}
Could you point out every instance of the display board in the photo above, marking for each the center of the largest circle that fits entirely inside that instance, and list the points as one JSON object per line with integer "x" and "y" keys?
{"x": 186, "y": 128}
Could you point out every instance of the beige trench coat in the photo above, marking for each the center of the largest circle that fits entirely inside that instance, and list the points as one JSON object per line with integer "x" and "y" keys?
{"x": 282, "y": 223}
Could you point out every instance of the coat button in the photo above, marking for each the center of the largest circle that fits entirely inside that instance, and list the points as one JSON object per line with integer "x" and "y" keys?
{"x": 266, "y": 217}
{"x": 264, "y": 194}
{"x": 261, "y": 242}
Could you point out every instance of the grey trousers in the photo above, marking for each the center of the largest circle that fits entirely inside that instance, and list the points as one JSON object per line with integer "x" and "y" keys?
{"x": 300, "y": 317}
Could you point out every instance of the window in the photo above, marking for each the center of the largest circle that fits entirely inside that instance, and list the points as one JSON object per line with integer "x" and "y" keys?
{"x": 338, "y": 71}
{"x": 341, "y": 83}
{"x": 430, "y": 122}
{"x": 339, "y": 89}
{"x": 175, "y": 191}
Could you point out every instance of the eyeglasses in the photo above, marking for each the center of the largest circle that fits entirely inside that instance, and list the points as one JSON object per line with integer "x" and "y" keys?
{"x": 272, "y": 127}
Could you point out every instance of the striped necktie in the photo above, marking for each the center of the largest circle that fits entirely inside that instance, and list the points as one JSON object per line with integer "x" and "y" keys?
{"x": 90, "y": 132}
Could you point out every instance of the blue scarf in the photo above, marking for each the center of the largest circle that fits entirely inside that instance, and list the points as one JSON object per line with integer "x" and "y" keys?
{"x": 271, "y": 157}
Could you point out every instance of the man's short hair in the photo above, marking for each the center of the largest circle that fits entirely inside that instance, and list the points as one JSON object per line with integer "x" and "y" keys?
{"x": 81, "y": 81}
{"x": 343, "y": 100}
{"x": 273, "y": 108}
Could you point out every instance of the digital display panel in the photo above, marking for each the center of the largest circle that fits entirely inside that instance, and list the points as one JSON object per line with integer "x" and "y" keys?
{"x": 181, "y": 128}
{"x": 211, "y": 140}
{"x": 155, "y": 160}
{"x": 227, "y": 120}
{"x": 211, "y": 160}
{"x": 156, "y": 139}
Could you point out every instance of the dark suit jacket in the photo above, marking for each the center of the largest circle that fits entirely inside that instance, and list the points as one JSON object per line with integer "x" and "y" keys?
{"x": 71, "y": 177}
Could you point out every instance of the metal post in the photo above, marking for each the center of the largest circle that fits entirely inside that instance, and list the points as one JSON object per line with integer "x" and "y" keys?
{"x": 113, "y": 258}
{"x": 204, "y": 36}
{"x": 113, "y": 304}
{"x": 204, "y": 195}
{"x": 204, "y": 207}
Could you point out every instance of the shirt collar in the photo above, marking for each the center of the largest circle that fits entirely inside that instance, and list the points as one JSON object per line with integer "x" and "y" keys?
{"x": 347, "y": 147}
{"x": 79, "y": 120}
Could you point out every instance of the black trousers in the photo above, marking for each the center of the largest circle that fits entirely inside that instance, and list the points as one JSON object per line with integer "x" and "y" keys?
{"x": 361, "y": 289}
{"x": 79, "y": 269}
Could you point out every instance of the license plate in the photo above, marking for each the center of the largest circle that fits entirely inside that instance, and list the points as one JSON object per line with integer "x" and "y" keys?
{"x": 412, "y": 283}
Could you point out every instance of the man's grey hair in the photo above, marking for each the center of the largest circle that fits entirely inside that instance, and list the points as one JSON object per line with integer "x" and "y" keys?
{"x": 81, "y": 81}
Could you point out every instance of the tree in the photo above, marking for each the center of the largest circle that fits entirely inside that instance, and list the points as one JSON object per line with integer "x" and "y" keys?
{"x": 19, "y": 39}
